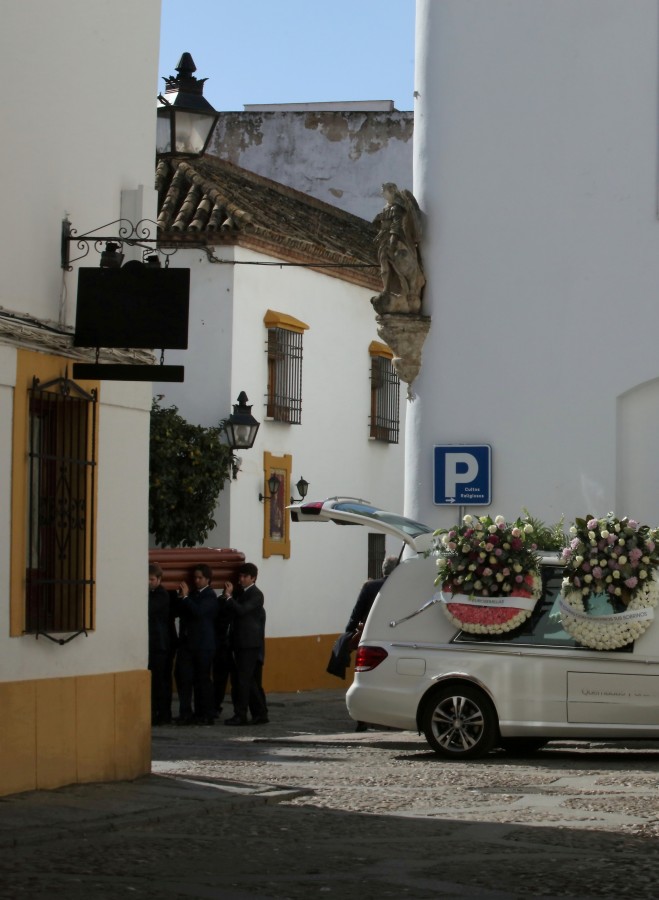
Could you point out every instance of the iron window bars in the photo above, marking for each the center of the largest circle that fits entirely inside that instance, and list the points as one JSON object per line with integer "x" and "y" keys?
{"x": 376, "y": 554}
{"x": 61, "y": 496}
{"x": 284, "y": 398}
{"x": 385, "y": 394}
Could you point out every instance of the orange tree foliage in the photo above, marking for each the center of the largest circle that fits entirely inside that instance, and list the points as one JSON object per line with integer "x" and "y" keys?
{"x": 188, "y": 466}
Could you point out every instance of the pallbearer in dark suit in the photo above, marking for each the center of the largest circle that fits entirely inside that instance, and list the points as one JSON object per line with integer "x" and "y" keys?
{"x": 194, "y": 659}
{"x": 247, "y": 639}
{"x": 223, "y": 661}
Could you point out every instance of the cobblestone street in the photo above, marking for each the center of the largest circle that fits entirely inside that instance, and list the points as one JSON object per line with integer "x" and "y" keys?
{"x": 306, "y": 807}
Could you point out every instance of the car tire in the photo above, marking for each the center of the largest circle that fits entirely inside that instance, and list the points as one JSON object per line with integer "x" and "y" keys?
{"x": 460, "y": 722}
{"x": 522, "y": 746}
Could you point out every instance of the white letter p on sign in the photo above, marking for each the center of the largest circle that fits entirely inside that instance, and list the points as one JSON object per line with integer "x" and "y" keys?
{"x": 459, "y": 468}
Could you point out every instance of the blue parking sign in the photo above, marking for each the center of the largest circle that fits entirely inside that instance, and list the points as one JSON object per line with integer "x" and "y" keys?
{"x": 462, "y": 474}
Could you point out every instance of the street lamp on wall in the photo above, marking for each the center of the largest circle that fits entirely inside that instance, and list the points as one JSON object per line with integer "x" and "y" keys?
{"x": 302, "y": 488}
{"x": 185, "y": 118}
{"x": 241, "y": 426}
{"x": 273, "y": 487}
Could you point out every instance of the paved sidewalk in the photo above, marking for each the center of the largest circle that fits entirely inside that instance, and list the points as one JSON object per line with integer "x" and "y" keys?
{"x": 177, "y": 837}
{"x": 386, "y": 819}
{"x": 32, "y": 816}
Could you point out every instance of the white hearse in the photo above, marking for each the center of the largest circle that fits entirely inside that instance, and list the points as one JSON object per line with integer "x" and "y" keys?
{"x": 469, "y": 693}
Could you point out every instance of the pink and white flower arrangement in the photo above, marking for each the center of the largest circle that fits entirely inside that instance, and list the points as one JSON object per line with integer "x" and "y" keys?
{"x": 616, "y": 557}
{"x": 488, "y": 560}
{"x": 610, "y": 555}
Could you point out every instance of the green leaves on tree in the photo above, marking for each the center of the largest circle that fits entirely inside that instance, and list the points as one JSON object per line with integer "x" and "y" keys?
{"x": 188, "y": 465}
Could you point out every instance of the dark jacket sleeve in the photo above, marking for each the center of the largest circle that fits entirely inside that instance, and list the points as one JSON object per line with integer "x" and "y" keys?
{"x": 246, "y": 603}
{"x": 248, "y": 619}
{"x": 223, "y": 618}
{"x": 367, "y": 595}
{"x": 200, "y": 605}
{"x": 159, "y": 620}
{"x": 198, "y": 612}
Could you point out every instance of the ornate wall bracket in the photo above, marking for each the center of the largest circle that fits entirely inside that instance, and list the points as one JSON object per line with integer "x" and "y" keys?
{"x": 405, "y": 334}
{"x": 143, "y": 235}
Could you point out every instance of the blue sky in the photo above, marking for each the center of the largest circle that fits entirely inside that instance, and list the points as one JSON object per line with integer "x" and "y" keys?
{"x": 293, "y": 51}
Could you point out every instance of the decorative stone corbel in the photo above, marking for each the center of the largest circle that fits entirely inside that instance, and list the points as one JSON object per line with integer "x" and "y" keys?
{"x": 405, "y": 335}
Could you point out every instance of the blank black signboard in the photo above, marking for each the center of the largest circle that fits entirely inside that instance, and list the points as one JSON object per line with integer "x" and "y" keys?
{"x": 134, "y": 307}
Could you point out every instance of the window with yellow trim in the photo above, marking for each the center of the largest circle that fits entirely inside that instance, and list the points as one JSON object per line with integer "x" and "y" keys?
{"x": 284, "y": 350}
{"x": 385, "y": 395}
{"x": 276, "y": 521}
{"x": 54, "y": 515}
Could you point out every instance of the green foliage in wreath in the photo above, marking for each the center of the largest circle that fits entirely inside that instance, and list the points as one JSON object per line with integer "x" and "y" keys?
{"x": 188, "y": 466}
{"x": 547, "y": 537}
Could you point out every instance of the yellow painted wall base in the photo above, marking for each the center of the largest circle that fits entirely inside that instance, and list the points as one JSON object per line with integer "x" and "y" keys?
{"x": 299, "y": 664}
{"x": 58, "y": 731}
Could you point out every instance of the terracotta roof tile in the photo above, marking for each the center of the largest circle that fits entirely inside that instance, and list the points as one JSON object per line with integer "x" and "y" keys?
{"x": 211, "y": 201}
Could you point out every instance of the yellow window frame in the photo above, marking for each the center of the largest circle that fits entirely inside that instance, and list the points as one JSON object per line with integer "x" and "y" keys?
{"x": 276, "y": 519}
{"x": 46, "y": 368}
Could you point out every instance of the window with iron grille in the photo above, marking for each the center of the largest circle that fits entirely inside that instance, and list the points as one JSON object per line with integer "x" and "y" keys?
{"x": 376, "y": 553}
{"x": 62, "y": 472}
{"x": 385, "y": 394}
{"x": 284, "y": 349}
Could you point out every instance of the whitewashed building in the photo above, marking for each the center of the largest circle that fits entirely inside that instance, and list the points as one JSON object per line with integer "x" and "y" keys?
{"x": 74, "y": 688}
{"x": 280, "y": 309}
{"x": 536, "y": 165}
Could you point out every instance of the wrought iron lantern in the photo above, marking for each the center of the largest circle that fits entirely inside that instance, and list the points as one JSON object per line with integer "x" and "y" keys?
{"x": 302, "y": 487}
{"x": 185, "y": 118}
{"x": 241, "y": 426}
{"x": 273, "y": 488}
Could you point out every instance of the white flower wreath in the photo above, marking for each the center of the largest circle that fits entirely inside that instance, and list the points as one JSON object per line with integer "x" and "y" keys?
{"x": 608, "y": 632}
{"x": 618, "y": 558}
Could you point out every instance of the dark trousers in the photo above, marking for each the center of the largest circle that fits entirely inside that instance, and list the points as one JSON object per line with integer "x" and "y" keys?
{"x": 247, "y": 691}
{"x": 222, "y": 666}
{"x": 169, "y": 684}
{"x": 260, "y": 706}
{"x": 193, "y": 677}
{"x": 161, "y": 691}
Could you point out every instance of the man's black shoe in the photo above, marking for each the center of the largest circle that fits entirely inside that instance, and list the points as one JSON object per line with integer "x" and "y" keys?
{"x": 236, "y": 720}
{"x": 361, "y": 726}
{"x": 260, "y": 720}
{"x": 184, "y": 720}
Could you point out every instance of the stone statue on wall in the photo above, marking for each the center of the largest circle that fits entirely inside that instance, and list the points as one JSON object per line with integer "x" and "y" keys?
{"x": 399, "y": 234}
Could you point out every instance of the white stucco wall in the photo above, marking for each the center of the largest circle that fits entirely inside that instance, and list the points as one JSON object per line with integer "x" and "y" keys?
{"x": 81, "y": 83}
{"x": 205, "y": 396}
{"x": 119, "y": 641}
{"x": 82, "y": 80}
{"x": 312, "y": 592}
{"x": 536, "y": 165}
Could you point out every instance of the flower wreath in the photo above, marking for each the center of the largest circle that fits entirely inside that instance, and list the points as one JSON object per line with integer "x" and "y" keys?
{"x": 491, "y": 570}
{"x": 612, "y": 556}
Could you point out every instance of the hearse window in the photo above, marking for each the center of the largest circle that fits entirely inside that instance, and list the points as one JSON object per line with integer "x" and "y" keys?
{"x": 407, "y": 526}
{"x": 543, "y": 628}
